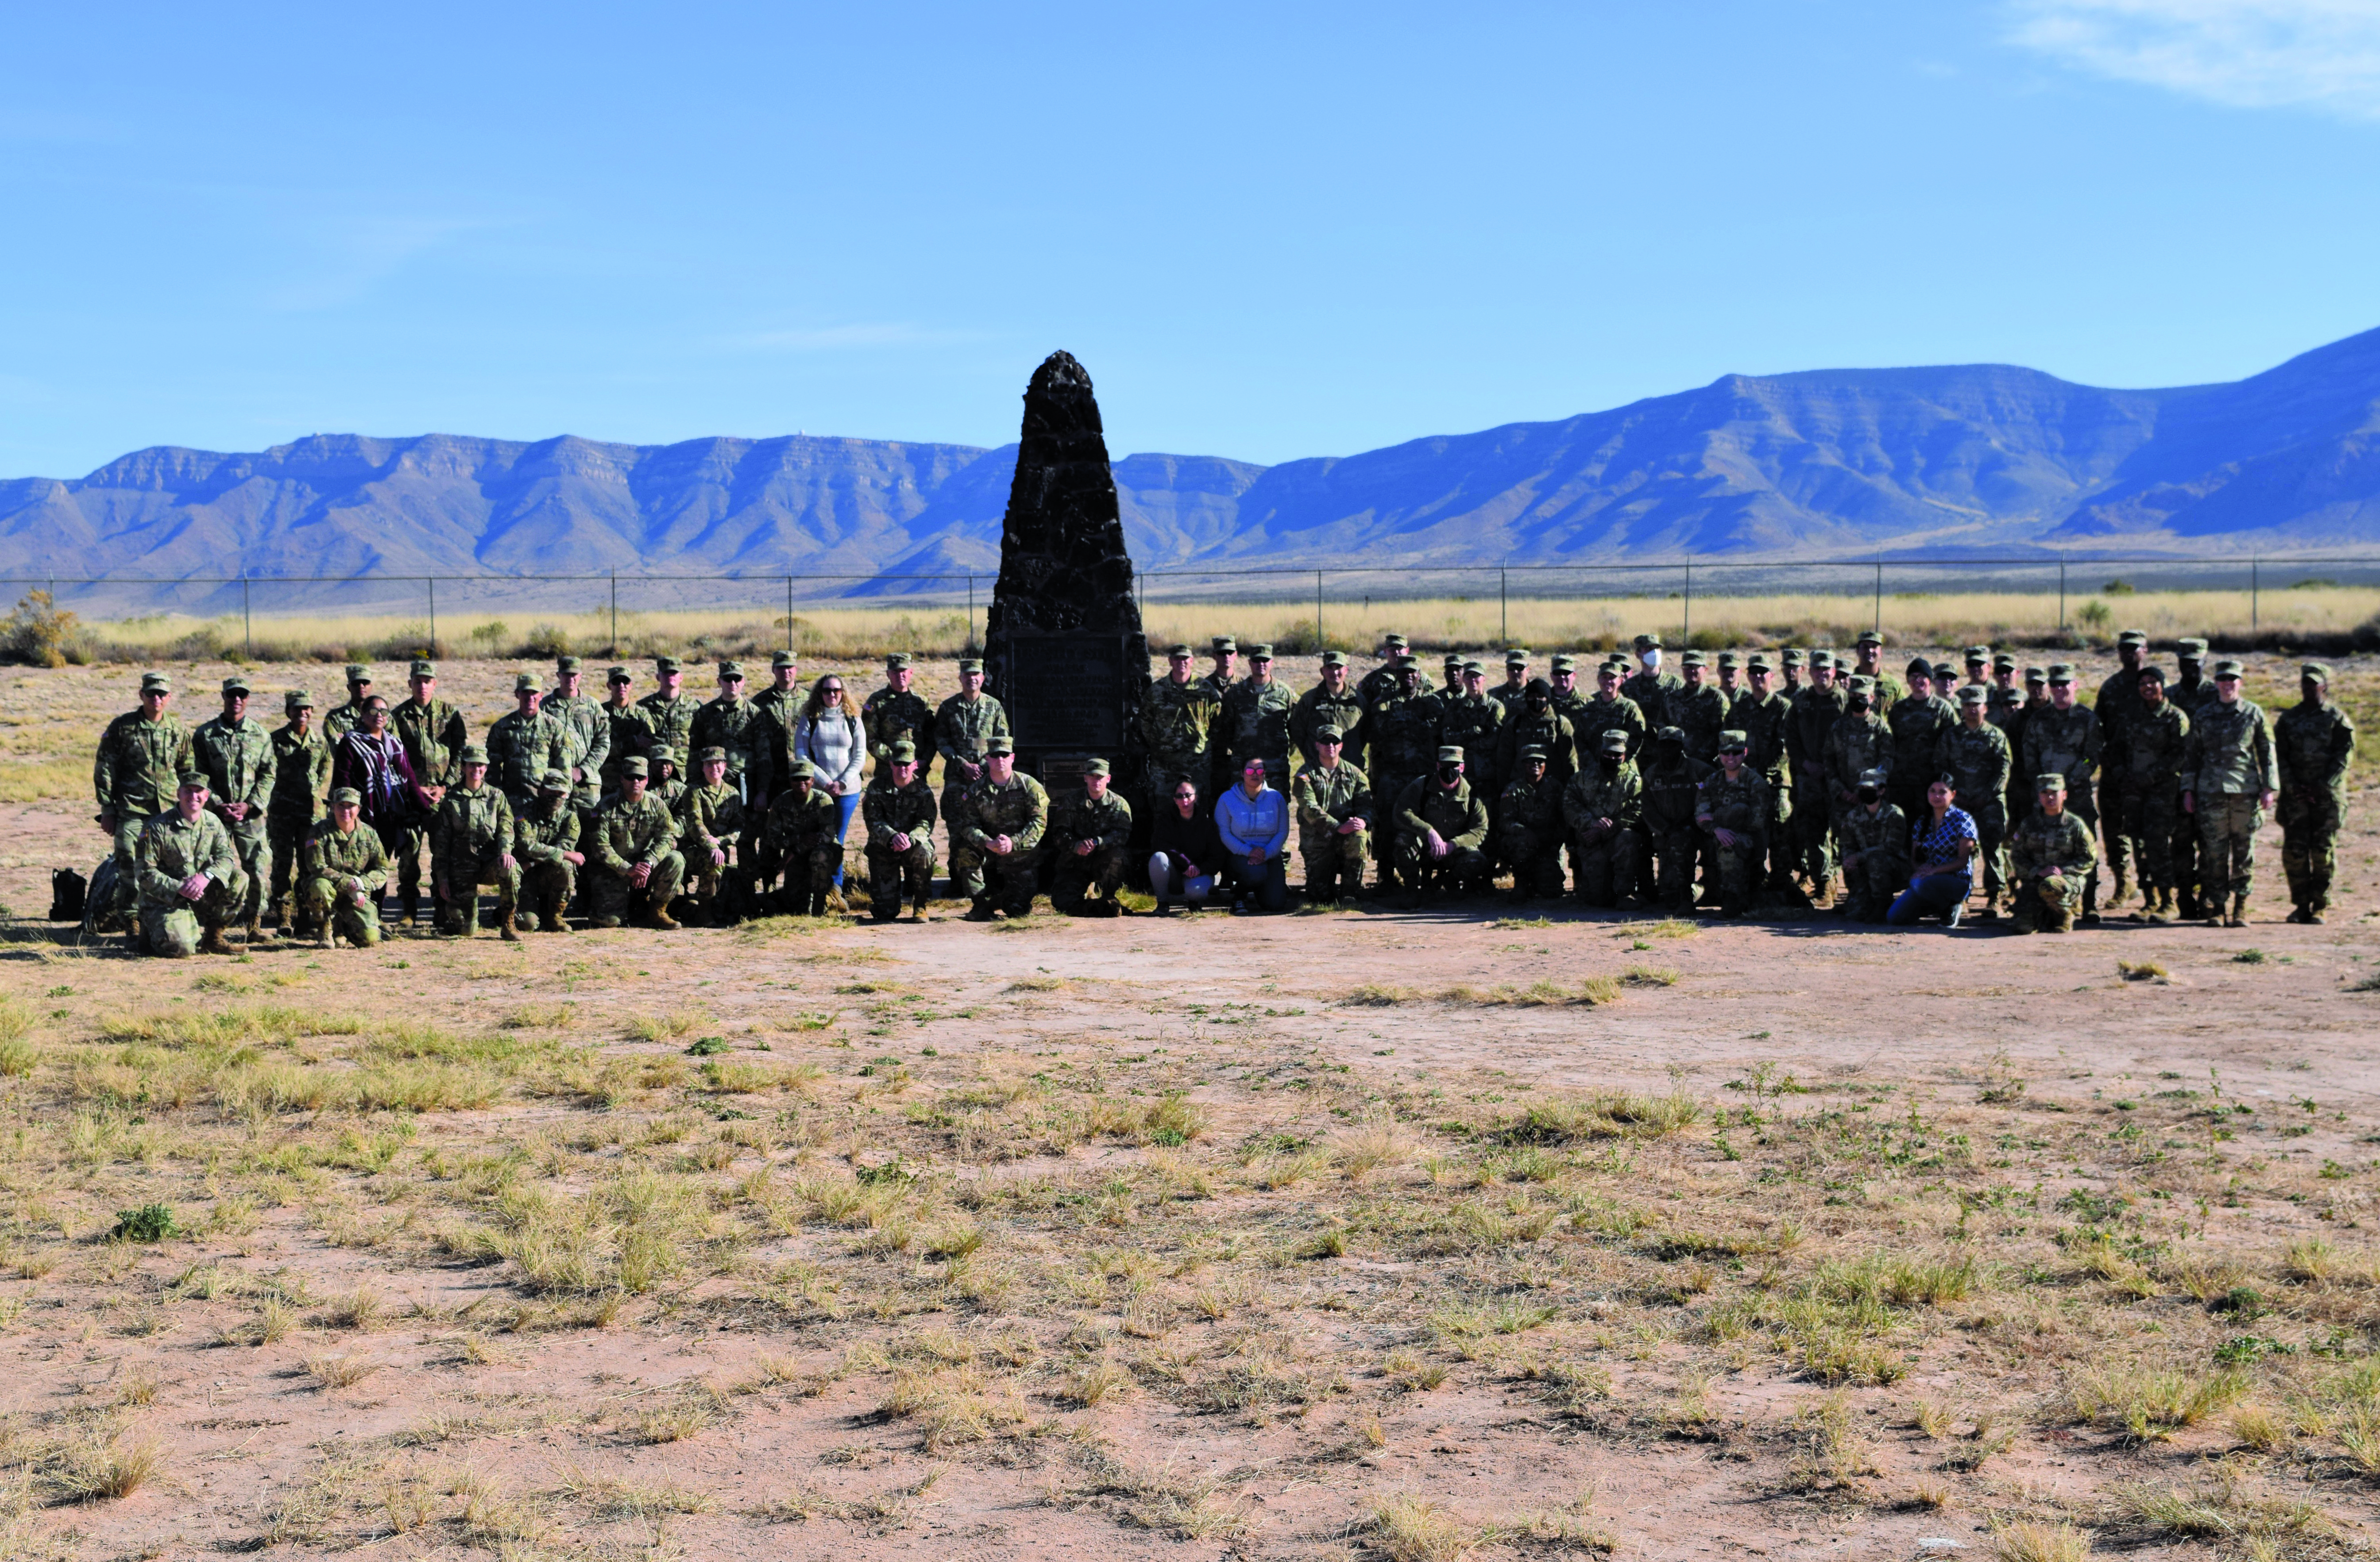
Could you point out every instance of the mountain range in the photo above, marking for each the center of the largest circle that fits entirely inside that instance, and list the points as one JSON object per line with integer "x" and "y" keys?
{"x": 1985, "y": 460}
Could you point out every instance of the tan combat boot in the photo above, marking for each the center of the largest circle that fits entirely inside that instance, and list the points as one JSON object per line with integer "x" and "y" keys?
{"x": 554, "y": 918}
{"x": 256, "y": 933}
{"x": 211, "y": 942}
{"x": 507, "y": 926}
{"x": 2238, "y": 917}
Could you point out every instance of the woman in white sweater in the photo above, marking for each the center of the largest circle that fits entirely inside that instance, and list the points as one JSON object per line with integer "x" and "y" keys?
{"x": 829, "y": 734}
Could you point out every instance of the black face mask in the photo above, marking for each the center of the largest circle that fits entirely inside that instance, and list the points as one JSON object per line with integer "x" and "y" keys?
{"x": 1449, "y": 774}
{"x": 1538, "y": 704}
{"x": 1859, "y": 703}
{"x": 1868, "y": 794}
{"x": 1608, "y": 761}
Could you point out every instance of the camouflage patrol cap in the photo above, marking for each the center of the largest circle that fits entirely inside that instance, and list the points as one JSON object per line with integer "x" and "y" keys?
{"x": 2003, "y": 662}
{"x": 1728, "y": 659}
{"x": 296, "y": 700}
{"x": 1945, "y": 674}
{"x": 1669, "y": 734}
{"x": 1260, "y": 651}
{"x": 1096, "y": 768}
{"x": 970, "y": 664}
{"x": 235, "y": 685}
{"x": 1473, "y": 670}
{"x": 1333, "y": 658}
{"x": 1454, "y": 661}
{"x": 1403, "y": 662}
{"x": 565, "y": 664}
{"x": 1872, "y": 778}
{"x": 782, "y": 659}
{"x": 358, "y": 673}
{"x": 731, "y": 670}
{"x": 1449, "y": 753}
{"x": 1517, "y": 656}
{"x": 2131, "y": 637}
{"x": 1692, "y": 658}
{"x": 705, "y": 755}
{"x": 663, "y": 665}
{"x": 2227, "y": 667}
{"x": 895, "y": 660}
{"x": 1396, "y": 641}
{"x": 1919, "y": 668}
{"x": 1000, "y": 745}
{"x": 1974, "y": 693}
{"x": 1759, "y": 661}
{"x": 1179, "y": 653}
{"x": 347, "y": 797}
{"x": 2314, "y": 671}
{"x": 1861, "y": 684}
{"x": 474, "y": 754}
{"x": 802, "y": 770}
{"x": 422, "y": 668}
{"x": 1222, "y": 644}
{"x": 1978, "y": 656}
{"x": 662, "y": 754}
{"x": 189, "y": 776}
{"x": 1648, "y": 642}
{"x": 2061, "y": 672}
{"x": 1731, "y": 740}
{"x": 634, "y": 765}
{"x": 1795, "y": 656}
{"x": 157, "y": 683}
{"x": 1565, "y": 663}
{"x": 903, "y": 752}
{"x": 1610, "y": 670}
{"x": 527, "y": 684}
{"x": 2049, "y": 780}
{"x": 2035, "y": 675}
{"x": 618, "y": 675}
{"x": 553, "y": 781}
{"x": 1329, "y": 734}
{"x": 1822, "y": 659}
{"x": 1868, "y": 637}
{"x": 1537, "y": 686}
{"x": 1532, "y": 754}
{"x": 2189, "y": 650}
{"x": 1615, "y": 741}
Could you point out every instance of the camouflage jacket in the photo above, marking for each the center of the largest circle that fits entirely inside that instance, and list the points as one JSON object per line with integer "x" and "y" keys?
{"x": 1594, "y": 793}
{"x": 1257, "y": 717}
{"x": 1815, "y": 711}
{"x": 1019, "y": 810}
{"x": 339, "y": 855}
{"x": 672, "y": 793}
{"x": 888, "y": 717}
{"x": 1918, "y": 727}
{"x": 886, "y": 810}
{"x": 1653, "y": 694}
{"x": 1404, "y": 734}
{"x": 963, "y": 726}
{"x": 632, "y": 832}
{"x": 745, "y": 732}
{"x": 433, "y": 735}
{"x": 2155, "y": 744}
{"x": 2190, "y": 691}
{"x": 1529, "y": 811}
{"x": 1549, "y": 732}
{"x": 2068, "y": 741}
{"x": 1740, "y": 804}
{"x": 522, "y": 748}
{"x": 172, "y": 848}
{"x": 781, "y": 709}
{"x": 1177, "y": 723}
{"x": 1381, "y": 683}
{"x": 586, "y": 735}
{"x": 301, "y": 772}
{"x": 2118, "y": 706}
{"x": 1978, "y": 758}
{"x": 1326, "y": 798}
{"x": 239, "y": 760}
{"x": 139, "y": 764}
{"x": 2004, "y": 708}
{"x": 1107, "y": 822}
{"x": 801, "y": 819}
{"x": 714, "y": 820}
{"x": 2314, "y": 744}
{"x": 471, "y": 824}
{"x": 1672, "y": 790}
{"x": 629, "y": 735}
{"x": 671, "y": 719}
{"x": 1701, "y": 712}
{"x": 1764, "y": 723}
{"x": 1858, "y": 742}
{"x": 1472, "y": 723}
{"x": 1317, "y": 707}
{"x": 1889, "y": 691}
{"x": 2230, "y": 750}
{"x": 1884, "y": 831}
{"x": 1458, "y": 816}
{"x": 1598, "y": 716}
{"x": 341, "y": 720}
{"x": 542, "y": 832}
{"x": 2040, "y": 845}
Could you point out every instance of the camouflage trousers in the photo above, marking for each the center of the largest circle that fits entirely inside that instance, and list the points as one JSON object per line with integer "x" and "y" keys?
{"x": 1009, "y": 882}
{"x": 2045, "y": 905}
{"x": 172, "y": 927}
{"x": 546, "y": 887}
{"x": 809, "y": 869}
{"x": 406, "y": 843}
{"x": 1607, "y": 866}
{"x": 2310, "y": 825}
{"x": 1459, "y": 865}
{"x": 1673, "y": 848}
{"x": 1739, "y": 869}
{"x": 1077, "y": 875}
{"x": 1334, "y": 863}
{"x": 2227, "y": 840}
{"x": 318, "y": 897}
{"x": 611, "y": 898}
{"x": 1534, "y": 857}
{"x": 456, "y": 881}
{"x": 1872, "y": 884}
{"x": 251, "y": 838}
{"x": 724, "y": 887}
{"x": 1811, "y": 832}
{"x": 287, "y": 835}
{"x": 1385, "y": 790}
{"x": 128, "y": 866}
{"x": 890, "y": 873}
{"x": 1991, "y": 846}
{"x": 2182, "y": 843}
{"x": 1783, "y": 836}
{"x": 2115, "y": 806}
{"x": 2145, "y": 826}
{"x": 966, "y": 864}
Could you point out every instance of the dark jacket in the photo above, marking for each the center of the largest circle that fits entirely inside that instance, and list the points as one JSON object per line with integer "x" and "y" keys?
{"x": 1195, "y": 839}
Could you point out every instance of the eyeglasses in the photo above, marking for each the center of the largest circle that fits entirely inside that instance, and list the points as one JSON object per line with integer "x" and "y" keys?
{"x": 832, "y": 689}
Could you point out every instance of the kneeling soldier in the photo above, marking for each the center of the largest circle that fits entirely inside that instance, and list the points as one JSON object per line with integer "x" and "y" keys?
{"x": 1734, "y": 810}
{"x": 1529, "y": 826}
{"x": 2051, "y": 856}
{"x": 346, "y": 869}
{"x": 1090, "y": 847}
{"x": 1001, "y": 820}
{"x": 189, "y": 877}
{"x": 798, "y": 839}
{"x": 897, "y": 811}
{"x": 471, "y": 844}
{"x": 1875, "y": 845}
{"x": 636, "y": 846}
{"x": 1334, "y": 819}
{"x": 1601, "y": 807}
{"x": 545, "y": 839}
{"x": 1441, "y": 827}
{"x": 716, "y": 825}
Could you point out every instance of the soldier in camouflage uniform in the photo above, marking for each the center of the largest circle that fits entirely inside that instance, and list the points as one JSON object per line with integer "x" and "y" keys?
{"x": 1331, "y": 703}
{"x": 525, "y": 743}
{"x": 629, "y": 735}
{"x": 471, "y": 844}
{"x": 2052, "y": 854}
{"x": 664, "y": 781}
{"x": 1886, "y": 690}
{"x": 1473, "y": 722}
{"x": 1529, "y": 826}
{"x": 897, "y": 812}
{"x": 1514, "y": 690}
{"x": 1919, "y": 721}
{"x": 2187, "y": 690}
{"x": 1088, "y": 840}
{"x": 1603, "y": 809}
{"x": 1817, "y": 709}
{"x": 1975, "y": 757}
{"x": 1765, "y": 718}
{"x": 2313, "y": 741}
{"x": 1442, "y": 830}
{"x": 1382, "y": 680}
{"x": 1733, "y": 811}
{"x": 2116, "y": 706}
{"x": 191, "y": 882}
{"x": 669, "y": 709}
{"x": 1672, "y": 782}
{"x": 1568, "y": 702}
{"x": 1608, "y": 711}
{"x": 302, "y": 770}
{"x": 2229, "y": 776}
{"x": 1731, "y": 681}
{"x": 1858, "y": 741}
{"x": 896, "y": 712}
{"x": 636, "y": 853}
{"x": 1698, "y": 710}
{"x": 2063, "y": 738}
{"x": 545, "y": 842}
{"x": 718, "y": 863}
{"x": 741, "y": 730}
{"x": 1404, "y": 724}
{"x": 1223, "y": 651}
{"x": 2148, "y": 788}
{"x": 585, "y": 734}
{"x": 964, "y": 729}
{"x": 344, "y": 719}
{"x": 1533, "y": 722}
{"x": 235, "y": 754}
{"x": 345, "y": 867}
{"x": 800, "y": 838}
{"x": 1332, "y": 799}
{"x": 433, "y": 734}
{"x": 1255, "y": 716}
{"x": 1181, "y": 718}
{"x": 782, "y": 703}
{"x": 139, "y": 755}
{"x": 1000, "y": 822}
{"x": 1876, "y": 843}
{"x": 1651, "y": 689}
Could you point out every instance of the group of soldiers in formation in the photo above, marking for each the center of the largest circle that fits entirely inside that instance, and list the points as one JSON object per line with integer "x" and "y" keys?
{"x": 1795, "y": 779}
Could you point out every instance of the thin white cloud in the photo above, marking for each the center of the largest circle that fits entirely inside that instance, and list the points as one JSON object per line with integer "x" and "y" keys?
{"x": 2248, "y": 53}
{"x": 846, "y": 338}
{"x": 335, "y": 260}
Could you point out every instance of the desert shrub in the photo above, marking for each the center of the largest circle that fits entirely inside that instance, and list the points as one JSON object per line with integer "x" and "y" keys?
{"x": 41, "y": 634}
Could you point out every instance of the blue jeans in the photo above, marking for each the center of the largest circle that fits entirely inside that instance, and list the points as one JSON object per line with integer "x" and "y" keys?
{"x": 845, "y": 806}
{"x": 1933, "y": 895}
{"x": 1268, "y": 886}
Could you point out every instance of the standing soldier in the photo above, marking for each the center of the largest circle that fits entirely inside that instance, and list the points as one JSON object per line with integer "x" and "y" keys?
{"x": 1651, "y": 688}
{"x": 782, "y": 703}
{"x": 1567, "y": 700}
{"x": 141, "y": 754}
{"x": 897, "y": 712}
{"x": 1225, "y": 653}
{"x": 964, "y": 730}
{"x": 301, "y": 771}
{"x": 1698, "y": 710}
{"x": 1887, "y": 690}
{"x": 471, "y": 844}
{"x": 1731, "y": 681}
{"x": 433, "y": 734}
{"x": 2052, "y": 856}
{"x": 545, "y": 842}
{"x": 345, "y": 719}
{"x": 1979, "y": 668}
{"x": 669, "y": 709}
{"x": 1672, "y": 784}
{"x": 1919, "y": 723}
{"x": 1608, "y": 711}
{"x": 1514, "y": 689}
{"x": 2189, "y": 689}
{"x": 717, "y": 821}
{"x": 1529, "y": 826}
{"x": 1179, "y": 719}
{"x": 1255, "y": 714}
{"x": 1382, "y": 680}
{"x": 2229, "y": 776}
{"x": 1089, "y": 846}
{"x": 1975, "y": 755}
{"x": 2156, "y": 740}
{"x": 1602, "y": 809}
{"x": 1535, "y": 723}
{"x": 1001, "y": 818}
{"x": 636, "y": 847}
{"x": 191, "y": 882}
{"x": 1472, "y": 721}
{"x": 525, "y": 743}
{"x": 236, "y": 757}
{"x": 1331, "y": 703}
{"x": 1733, "y": 810}
{"x": 1766, "y": 718}
{"x": 1792, "y": 660}
{"x": 1403, "y": 723}
{"x": 1817, "y": 793}
{"x": 585, "y": 734}
{"x": 1875, "y": 846}
{"x": 2313, "y": 740}
{"x": 897, "y": 812}
{"x": 1442, "y": 830}
{"x": 345, "y": 867}
{"x": 2063, "y": 739}
{"x": 629, "y": 734}
{"x": 802, "y": 836}
{"x": 1857, "y": 744}
{"x": 1333, "y": 800}
{"x": 740, "y": 730}
{"x": 2118, "y": 702}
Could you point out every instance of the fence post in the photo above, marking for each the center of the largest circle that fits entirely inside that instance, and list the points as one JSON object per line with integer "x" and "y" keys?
{"x": 2062, "y": 595}
{"x": 433, "y": 581}
{"x": 1319, "y": 643}
{"x": 2254, "y": 582}
{"x": 1879, "y": 624}
{"x": 789, "y": 615}
{"x": 616, "y": 615}
{"x": 1504, "y": 605}
{"x": 970, "y": 639}
{"x": 1686, "y": 632}
{"x": 247, "y": 619}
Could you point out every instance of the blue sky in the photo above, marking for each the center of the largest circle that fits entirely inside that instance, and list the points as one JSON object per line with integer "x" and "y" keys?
{"x": 1269, "y": 231}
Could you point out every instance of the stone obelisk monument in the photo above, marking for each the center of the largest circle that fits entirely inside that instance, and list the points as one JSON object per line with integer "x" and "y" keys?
{"x": 1062, "y": 647}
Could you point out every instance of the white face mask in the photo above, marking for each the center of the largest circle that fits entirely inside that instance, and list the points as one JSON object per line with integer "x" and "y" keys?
{"x": 1652, "y": 662}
